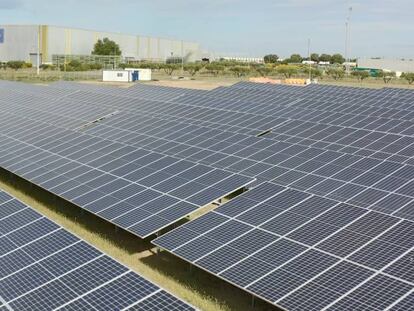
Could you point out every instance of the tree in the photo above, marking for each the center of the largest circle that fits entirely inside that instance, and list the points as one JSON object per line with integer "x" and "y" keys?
{"x": 337, "y": 59}
{"x": 192, "y": 69}
{"x": 314, "y": 57}
{"x": 153, "y": 66}
{"x": 75, "y": 63}
{"x": 263, "y": 70}
{"x": 295, "y": 58}
{"x": 386, "y": 76}
{"x": 239, "y": 71}
{"x": 325, "y": 58}
{"x": 106, "y": 47}
{"x": 315, "y": 72}
{"x": 409, "y": 76}
{"x": 287, "y": 70}
{"x": 360, "y": 75}
{"x": 170, "y": 68}
{"x": 270, "y": 59}
{"x": 215, "y": 68}
{"x": 15, "y": 64}
{"x": 336, "y": 73}
{"x": 47, "y": 67}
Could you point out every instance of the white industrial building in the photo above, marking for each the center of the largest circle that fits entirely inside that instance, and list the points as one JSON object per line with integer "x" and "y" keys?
{"x": 397, "y": 65}
{"x": 22, "y": 42}
{"x": 258, "y": 60}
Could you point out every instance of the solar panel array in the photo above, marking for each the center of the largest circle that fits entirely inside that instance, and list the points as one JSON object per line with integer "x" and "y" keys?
{"x": 341, "y": 162}
{"x": 302, "y": 251}
{"x": 341, "y": 243}
{"x": 329, "y": 222}
{"x": 44, "y": 267}
{"x": 137, "y": 189}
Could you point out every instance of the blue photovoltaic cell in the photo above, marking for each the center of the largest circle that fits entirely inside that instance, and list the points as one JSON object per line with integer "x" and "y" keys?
{"x": 284, "y": 271}
{"x": 48, "y": 268}
{"x": 92, "y": 172}
{"x": 333, "y": 168}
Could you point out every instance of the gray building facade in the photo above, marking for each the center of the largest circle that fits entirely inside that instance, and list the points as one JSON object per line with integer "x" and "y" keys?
{"x": 397, "y": 65}
{"x": 21, "y": 42}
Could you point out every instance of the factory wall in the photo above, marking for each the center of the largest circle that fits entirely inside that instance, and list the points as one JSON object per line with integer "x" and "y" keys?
{"x": 21, "y": 41}
{"x": 396, "y": 65}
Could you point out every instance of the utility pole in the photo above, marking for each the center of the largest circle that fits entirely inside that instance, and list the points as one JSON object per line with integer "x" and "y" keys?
{"x": 347, "y": 39}
{"x": 310, "y": 65}
{"x": 182, "y": 58}
{"x": 38, "y": 52}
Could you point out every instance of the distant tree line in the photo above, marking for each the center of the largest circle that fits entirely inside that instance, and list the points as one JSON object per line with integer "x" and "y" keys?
{"x": 273, "y": 66}
{"x": 281, "y": 70}
{"x": 233, "y": 68}
{"x": 15, "y": 64}
{"x": 297, "y": 58}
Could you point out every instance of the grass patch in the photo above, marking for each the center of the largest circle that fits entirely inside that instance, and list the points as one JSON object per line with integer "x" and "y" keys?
{"x": 195, "y": 286}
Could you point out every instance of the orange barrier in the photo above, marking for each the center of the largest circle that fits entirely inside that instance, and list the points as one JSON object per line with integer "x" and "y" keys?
{"x": 265, "y": 80}
{"x": 278, "y": 81}
{"x": 295, "y": 81}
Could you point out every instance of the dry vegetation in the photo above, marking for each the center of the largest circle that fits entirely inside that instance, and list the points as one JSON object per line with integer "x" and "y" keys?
{"x": 209, "y": 83}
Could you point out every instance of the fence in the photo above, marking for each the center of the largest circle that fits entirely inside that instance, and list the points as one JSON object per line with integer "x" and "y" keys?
{"x": 48, "y": 75}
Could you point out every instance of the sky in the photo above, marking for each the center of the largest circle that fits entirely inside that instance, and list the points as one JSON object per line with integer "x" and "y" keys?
{"x": 245, "y": 28}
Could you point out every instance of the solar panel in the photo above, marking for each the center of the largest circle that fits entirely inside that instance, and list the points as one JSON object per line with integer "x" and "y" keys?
{"x": 301, "y": 251}
{"x": 97, "y": 187}
{"x": 116, "y": 181}
{"x": 255, "y": 157}
{"x": 339, "y": 161}
{"x": 44, "y": 267}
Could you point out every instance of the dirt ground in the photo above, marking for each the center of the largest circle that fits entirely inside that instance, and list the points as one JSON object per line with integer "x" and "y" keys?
{"x": 201, "y": 84}
{"x": 194, "y": 84}
{"x": 212, "y": 83}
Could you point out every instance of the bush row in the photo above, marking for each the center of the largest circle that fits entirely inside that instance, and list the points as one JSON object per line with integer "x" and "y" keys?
{"x": 233, "y": 68}
{"x": 283, "y": 70}
{"x": 15, "y": 64}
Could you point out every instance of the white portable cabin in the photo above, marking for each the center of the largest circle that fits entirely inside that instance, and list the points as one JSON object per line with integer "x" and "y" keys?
{"x": 127, "y": 75}
{"x": 116, "y": 76}
{"x": 144, "y": 74}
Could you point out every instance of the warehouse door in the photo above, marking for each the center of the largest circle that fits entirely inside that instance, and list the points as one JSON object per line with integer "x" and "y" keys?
{"x": 135, "y": 75}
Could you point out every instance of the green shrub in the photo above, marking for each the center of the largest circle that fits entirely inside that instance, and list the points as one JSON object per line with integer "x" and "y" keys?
{"x": 95, "y": 66}
{"x": 287, "y": 70}
{"x": 239, "y": 71}
{"x": 192, "y": 69}
{"x": 271, "y": 59}
{"x": 169, "y": 68}
{"x": 409, "y": 76}
{"x": 336, "y": 73}
{"x": 315, "y": 72}
{"x": 215, "y": 68}
{"x": 15, "y": 64}
{"x": 360, "y": 74}
{"x": 263, "y": 70}
{"x": 386, "y": 76}
{"x": 47, "y": 67}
